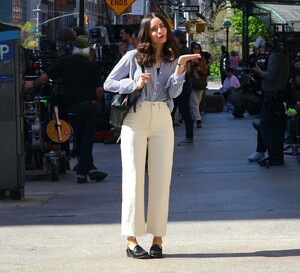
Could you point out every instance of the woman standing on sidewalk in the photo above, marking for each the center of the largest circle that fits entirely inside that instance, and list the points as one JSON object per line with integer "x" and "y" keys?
{"x": 149, "y": 128}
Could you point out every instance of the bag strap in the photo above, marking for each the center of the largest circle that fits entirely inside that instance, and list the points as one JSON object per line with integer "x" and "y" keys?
{"x": 136, "y": 99}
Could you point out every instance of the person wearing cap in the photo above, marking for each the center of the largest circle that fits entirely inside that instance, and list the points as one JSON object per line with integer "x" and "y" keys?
{"x": 259, "y": 48}
{"x": 80, "y": 82}
{"x": 183, "y": 101}
{"x": 66, "y": 38}
{"x": 259, "y": 57}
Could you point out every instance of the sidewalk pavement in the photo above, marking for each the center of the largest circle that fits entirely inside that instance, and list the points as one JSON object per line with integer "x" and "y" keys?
{"x": 226, "y": 215}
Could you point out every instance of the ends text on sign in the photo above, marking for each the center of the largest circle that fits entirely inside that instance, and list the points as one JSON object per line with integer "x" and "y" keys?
{"x": 118, "y": 2}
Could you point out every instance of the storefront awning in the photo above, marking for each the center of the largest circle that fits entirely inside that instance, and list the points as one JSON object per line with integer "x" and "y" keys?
{"x": 284, "y": 12}
{"x": 275, "y": 14}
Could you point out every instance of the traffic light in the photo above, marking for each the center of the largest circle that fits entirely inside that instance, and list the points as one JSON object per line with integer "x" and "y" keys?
{"x": 199, "y": 27}
{"x": 170, "y": 24}
{"x": 193, "y": 27}
{"x": 86, "y": 18}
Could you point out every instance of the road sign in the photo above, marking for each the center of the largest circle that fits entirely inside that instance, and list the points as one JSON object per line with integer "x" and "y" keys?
{"x": 174, "y": 7}
{"x": 189, "y": 8}
{"x": 119, "y": 6}
{"x": 6, "y": 51}
{"x": 185, "y": 8}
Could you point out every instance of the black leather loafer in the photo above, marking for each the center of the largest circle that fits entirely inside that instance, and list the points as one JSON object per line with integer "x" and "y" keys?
{"x": 97, "y": 176}
{"x": 138, "y": 252}
{"x": 155, "y": 252}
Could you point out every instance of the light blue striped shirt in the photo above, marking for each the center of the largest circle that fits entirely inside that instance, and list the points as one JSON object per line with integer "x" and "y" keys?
{"x": 163, "y": 85}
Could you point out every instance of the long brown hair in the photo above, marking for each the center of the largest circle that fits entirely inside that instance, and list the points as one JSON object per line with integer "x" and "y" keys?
{"x": 146, "y": 52}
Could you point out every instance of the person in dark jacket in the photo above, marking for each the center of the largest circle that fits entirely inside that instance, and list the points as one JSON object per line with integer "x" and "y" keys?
{"x": 183, "y": 100}
{"x": 81, "y": 83}
{"x": 273, "y": 119}
{"x": 224, "y": 63}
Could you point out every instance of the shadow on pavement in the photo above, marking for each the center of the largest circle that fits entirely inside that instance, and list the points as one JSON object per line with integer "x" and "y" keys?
{"x": 267, "y": 253}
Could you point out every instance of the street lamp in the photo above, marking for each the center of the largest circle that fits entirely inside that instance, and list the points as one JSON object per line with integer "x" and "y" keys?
{"x": 227, "y": 25}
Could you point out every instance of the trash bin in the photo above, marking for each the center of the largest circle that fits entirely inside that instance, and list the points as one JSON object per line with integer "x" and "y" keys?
{"x": 12, "y": 171}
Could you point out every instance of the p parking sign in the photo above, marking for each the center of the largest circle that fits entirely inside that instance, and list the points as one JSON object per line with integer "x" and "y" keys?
{"x": 6, "y": 51}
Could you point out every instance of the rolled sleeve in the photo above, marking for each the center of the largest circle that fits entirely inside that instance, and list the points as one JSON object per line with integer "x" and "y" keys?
{"x": 118, "y": 80}
{"x": 176, "y": 85}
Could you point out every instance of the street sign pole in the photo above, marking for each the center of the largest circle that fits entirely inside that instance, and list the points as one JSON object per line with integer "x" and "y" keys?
{"x": 147, "y": 7}
{"x": 176, "y": 18}
{"x": 37, "y": 29}
{"x": 187, "y": 18}
{"x": 175, "y": 9}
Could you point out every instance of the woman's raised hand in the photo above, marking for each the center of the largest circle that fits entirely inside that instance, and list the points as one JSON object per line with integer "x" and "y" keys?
{"x": 183, "y": 59}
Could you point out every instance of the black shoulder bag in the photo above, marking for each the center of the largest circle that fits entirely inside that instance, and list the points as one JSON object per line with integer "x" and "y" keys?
{"x": 120, "y": 105}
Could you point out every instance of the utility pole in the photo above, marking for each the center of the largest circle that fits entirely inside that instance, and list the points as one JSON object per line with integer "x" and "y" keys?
{"x": 187, "y": 19}
{"x": 81, "y": 14}
{"x": 37, "y": 29}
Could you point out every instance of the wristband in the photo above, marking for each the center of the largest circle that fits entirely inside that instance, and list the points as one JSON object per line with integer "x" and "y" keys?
{"x": 181, "y": 65}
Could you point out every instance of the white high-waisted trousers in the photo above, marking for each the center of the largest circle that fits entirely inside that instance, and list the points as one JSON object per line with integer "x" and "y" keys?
{"x": 152, "y": 125}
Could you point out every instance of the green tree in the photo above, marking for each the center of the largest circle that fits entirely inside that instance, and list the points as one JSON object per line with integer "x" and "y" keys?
{"x": 28, "y": 36}
{"x": 256, "y": 28}
{"x": 214, "y": 72}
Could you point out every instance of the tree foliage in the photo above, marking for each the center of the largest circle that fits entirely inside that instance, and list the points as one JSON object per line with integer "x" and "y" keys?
{"x": 256, "y": 28}
{"x": 28, "y": 36}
